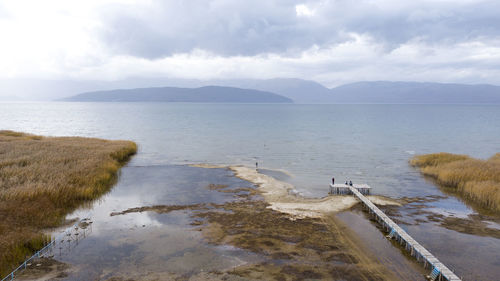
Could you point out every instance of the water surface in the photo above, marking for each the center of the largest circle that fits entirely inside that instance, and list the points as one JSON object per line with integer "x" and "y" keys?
{"x": 136, "y": 244}
{"x": 363, "y": 143}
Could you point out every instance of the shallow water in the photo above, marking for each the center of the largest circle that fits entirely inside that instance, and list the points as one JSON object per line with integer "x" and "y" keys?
{"x": 469, "y": 256}
{"x": 138, "y": 243}
{"x": 365, "y": 143}
{"x": 403, "y": 266}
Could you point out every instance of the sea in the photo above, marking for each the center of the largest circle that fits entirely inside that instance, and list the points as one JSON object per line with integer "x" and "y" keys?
{"x": 304, "y": 144}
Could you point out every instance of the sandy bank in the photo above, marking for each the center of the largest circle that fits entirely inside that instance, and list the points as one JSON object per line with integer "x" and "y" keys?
{"x": 281, "y": 196}
{"x": 263, "y": 221}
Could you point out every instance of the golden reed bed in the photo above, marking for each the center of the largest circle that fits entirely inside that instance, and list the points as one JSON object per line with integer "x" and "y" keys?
{"x": 44, "y": 178}
{"x": 476, "y": 180}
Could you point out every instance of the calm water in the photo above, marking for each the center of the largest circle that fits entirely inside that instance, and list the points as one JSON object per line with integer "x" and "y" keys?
{"x": 364, "y": 143}
{"x": 133, "y": 245}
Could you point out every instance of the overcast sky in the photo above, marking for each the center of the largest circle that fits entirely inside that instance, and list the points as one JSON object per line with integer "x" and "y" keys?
{"x": 332, "y": 42}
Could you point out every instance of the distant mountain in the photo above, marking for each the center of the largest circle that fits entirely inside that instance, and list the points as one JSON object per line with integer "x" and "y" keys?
{"x": 215, "y": 94}
{"x": 299, "y": 90}
{"x": 305, "y": 91}
{"x": 414, "y": 92}
{"x": 46, "y": 90}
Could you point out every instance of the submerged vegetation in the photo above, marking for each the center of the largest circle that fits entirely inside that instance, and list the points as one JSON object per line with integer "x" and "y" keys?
{"x": 476, "y": 180}
{"x": 285, "y": 248}
{"x": 44, "y": 178}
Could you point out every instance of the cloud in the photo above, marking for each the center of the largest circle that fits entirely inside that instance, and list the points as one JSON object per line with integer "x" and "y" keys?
{"x": 303, "y": 11}
{"x": 359, "y": 58}
{"x": 248, "y": 28}
{"x": 330, "y": 41}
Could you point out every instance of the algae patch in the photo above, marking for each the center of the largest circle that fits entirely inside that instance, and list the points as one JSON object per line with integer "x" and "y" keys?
{"x": 161, "y": 209}
{"x": 306, "y": 248}
{"x": 44, "y": 269}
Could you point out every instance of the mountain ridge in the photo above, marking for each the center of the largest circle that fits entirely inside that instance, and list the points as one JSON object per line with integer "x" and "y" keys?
{"x": 415, "y": 92}
{"x": 299, "y": 90}
{"x": 216, "y": 94}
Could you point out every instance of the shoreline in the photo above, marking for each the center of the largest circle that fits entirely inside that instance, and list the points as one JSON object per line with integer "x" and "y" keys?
{"x": 472, "y": 180}
{"x": 294, "y": 237}
{"x": 43, "y": 179}
{"x": 282, "y": 197}
{"x": 285, "y": 244}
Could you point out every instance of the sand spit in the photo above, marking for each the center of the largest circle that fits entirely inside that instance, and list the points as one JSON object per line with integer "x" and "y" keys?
{"x": 281, "y": 196}
{"x": 264, "y": 221}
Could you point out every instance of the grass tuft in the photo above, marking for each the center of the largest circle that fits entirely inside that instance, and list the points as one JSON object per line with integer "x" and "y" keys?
{"x": 476, "y": 180}
{"x": 42, "y": 179}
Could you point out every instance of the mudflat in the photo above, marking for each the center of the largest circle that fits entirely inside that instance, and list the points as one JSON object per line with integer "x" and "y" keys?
{"x": 291, "y": 248}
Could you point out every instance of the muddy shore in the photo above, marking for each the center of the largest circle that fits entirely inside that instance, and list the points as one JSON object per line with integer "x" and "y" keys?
{"x": 291, "y": 248}
{"x": 304, "y": 240}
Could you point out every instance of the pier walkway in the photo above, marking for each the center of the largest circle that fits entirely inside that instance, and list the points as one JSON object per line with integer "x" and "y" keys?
{"x": 344, "y": 189}
{"x": 438, "y": 270}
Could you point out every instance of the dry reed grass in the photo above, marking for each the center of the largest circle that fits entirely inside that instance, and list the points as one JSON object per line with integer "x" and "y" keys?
{"x": 44, "y": 178}
{"x": 476, "y": 180}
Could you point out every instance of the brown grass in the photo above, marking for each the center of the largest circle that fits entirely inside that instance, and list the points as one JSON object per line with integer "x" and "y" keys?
{"x": 476, "y": 180}
{"x": 44, "y": 178}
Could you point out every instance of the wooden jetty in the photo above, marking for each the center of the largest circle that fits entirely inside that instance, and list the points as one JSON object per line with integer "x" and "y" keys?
{"x": 343, "y": 189}
{"x": 438, "y": 270}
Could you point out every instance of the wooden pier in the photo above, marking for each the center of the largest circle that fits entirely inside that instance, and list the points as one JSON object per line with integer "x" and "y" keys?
{"x": 343, "y": 189}
{"x": 438, "y": 270}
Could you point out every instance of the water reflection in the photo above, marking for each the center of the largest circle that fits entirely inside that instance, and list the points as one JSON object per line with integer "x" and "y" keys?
{"x": 144, "y": 242}
{"x": 365, "y": 143}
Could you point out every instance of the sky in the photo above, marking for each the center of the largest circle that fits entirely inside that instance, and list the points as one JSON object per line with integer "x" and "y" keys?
{"x": 331, "y": 42}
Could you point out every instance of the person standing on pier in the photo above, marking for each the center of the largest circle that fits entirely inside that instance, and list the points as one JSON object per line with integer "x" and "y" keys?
{"x": 333, "y": 180}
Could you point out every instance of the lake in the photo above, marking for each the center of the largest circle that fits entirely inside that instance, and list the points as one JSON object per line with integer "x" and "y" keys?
{"x": 308, "y": 143}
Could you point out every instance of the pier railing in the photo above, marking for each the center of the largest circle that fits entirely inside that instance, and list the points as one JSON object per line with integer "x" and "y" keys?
{"x": 63, "y": 242}
{"x": 438, "y": 270}
{"x": 344, "y": 189}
